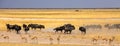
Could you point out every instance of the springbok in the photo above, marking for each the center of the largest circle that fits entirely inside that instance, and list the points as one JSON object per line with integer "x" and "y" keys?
{"x": 24, "y": 38}
{"x": 6, "y": 37}
{"x": 35, "y": 38}
{"x": 58, "y": 39}
{"x": 51, "y": 40}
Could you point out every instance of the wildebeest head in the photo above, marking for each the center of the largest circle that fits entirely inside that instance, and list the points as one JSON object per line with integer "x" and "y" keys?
{"x": 82, "y": 29}
{"x": 24, "y": 25}
{"x": 69, "y": 27}
{"x": 42, "y": 26}
{"x": 7, "y": 24}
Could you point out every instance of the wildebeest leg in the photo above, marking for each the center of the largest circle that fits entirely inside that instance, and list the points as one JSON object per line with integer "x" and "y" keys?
{"x": 40, "y": 28}
{"x": 56, "y": 31}
{"x": 61, "y": 31}
{"x": 34, "y": 28}
{"x": 65, "y": 32}
{"x": 70, "y": 32}
{"x": 18, "y": 32}
{"x": 84, "y": 33}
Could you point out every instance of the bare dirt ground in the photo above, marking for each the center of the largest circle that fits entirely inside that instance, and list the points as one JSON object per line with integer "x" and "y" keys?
{"x": 76, "y": 38}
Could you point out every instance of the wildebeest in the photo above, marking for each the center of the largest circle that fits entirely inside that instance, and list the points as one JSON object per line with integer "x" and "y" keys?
{"x": 83, "y": 30}
{"x": 67, "y": 28}
{"x": 93, "y": 26}
{"x": 26, "y": 28}
{"x": 24, "y": 25}
{"x": 61, "y": 28}
{"x": 15, "y": 27}
{"x": 10, "y": 27}
{"x": 112, "y": 26}
{"x": 35, "y": 26}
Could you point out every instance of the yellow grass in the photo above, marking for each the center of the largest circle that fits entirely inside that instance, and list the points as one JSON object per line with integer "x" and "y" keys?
{"x": 57, "y": 17}
{"x": 64, "y": 13}
{"x": 52, "y": 18}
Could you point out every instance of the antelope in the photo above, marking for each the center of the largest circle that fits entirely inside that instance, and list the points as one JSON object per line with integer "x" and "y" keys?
{"x": 6, "y": 37}
{"x": 35, "y": 38}
{"x": 95, "y": 39}
{"x": 58, "y": 39}
{"x": 111, "y": 39}
{"x": 24, "y": 38}
{"x": 51, "y": 40}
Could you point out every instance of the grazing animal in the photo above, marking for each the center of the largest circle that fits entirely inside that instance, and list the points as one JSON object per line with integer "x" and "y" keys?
{"x": 24, "y": 26}
{"x": 35, "y": 38}
{"x": 26, "y": 29}
{"x": 58, "y": 39}
{"x": 15, "y": 27}
{"x": 6, "y": 37}
{"x": 95, "y": 39}
{"x": 111, "y": 39}
{"x": 32, "y": 37}
{"x": 68, "y": 28}
{"x": 10, "y": 27}
{"x": 35, "y": 26}
{"x": 92, "y": 26}
{"x": 61, "y": 28}
{"x": 112, "y": 26}
{"x": 83, "y": 30}
{"x": 25, "y": 39}
{"x": 51, "y": 40}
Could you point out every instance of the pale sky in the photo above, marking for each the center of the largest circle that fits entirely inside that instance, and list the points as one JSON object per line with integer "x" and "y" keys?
{"x": 59, "y": 3}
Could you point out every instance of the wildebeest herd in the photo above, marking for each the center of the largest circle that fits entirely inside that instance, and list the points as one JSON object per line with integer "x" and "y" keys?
{"x": 67, "y": 28}
{"x": 26, "y": 28}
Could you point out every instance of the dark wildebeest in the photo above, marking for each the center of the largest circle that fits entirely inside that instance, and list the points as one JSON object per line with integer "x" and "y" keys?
{"x": 83, "y": 30}
{"x": 61, "y": 28}
{"x": 68, "y": 28}
{"x": 24, "y": 25}
{"x": 26, "y": 28}
{"x": 93, "y": 26}
{"x": 15, "y": 27}
{"x": 32, "y": 26}
{"x": 10, "y": 27}
{"x": 35, "y": 26}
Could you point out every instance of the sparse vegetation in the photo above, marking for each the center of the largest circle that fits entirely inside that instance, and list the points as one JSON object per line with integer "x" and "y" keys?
{"x": 54, "y": 18}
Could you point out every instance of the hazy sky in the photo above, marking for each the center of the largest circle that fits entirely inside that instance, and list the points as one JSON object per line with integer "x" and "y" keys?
{"x": 59, "y": 3}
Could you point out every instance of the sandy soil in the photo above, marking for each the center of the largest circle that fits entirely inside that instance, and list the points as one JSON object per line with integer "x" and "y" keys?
{"x": 44, "y": 35}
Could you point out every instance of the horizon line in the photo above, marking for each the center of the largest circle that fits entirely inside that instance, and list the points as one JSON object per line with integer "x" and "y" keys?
{"x": 59, "y": 8}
